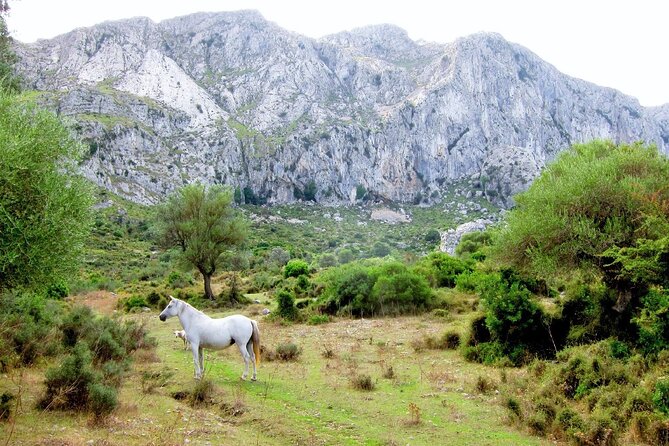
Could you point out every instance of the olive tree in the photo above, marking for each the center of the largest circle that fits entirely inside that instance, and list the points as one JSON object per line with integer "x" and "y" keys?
{"x": 201, "y": 222}
{"x": 44, "y": 201}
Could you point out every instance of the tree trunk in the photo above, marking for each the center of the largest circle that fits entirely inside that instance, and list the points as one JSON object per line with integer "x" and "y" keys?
{"x": 208, "y": 293}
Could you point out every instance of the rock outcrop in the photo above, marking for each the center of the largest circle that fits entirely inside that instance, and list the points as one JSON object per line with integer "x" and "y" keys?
{"x": 232, "y": 98}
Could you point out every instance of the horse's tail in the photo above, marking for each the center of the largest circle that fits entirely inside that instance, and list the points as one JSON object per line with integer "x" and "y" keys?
{"x": 256, "y": 341}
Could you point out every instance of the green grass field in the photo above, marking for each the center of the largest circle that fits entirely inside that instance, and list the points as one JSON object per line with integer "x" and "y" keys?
{"x": 427, "y": 397}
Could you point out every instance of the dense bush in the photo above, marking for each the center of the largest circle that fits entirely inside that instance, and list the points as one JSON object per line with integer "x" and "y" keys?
{"x": 67, "y": 385}
{"x": 28, "y": 328}
{"x": 441, "y": 270}
{"x": 296, "y": 268}
{"x": 283, "y": 352}
{"x": 374, "y": 288}
{"x": 398, "y": 291}
{"x": 286, "y": 304}
{"x": 102, "y": 400}
{"x": 661, "y": 395}
{"x": 653, "y": 322}
{"x": 471, "y": 245}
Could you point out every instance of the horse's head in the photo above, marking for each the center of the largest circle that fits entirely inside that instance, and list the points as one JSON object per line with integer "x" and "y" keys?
{"x": 170, "y": 310}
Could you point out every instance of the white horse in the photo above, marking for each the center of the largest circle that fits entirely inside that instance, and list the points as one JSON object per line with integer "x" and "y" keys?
{"x": 205, "y": 332}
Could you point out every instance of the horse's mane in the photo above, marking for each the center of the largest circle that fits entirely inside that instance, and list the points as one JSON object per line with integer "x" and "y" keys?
{"x": 189, "y": 305}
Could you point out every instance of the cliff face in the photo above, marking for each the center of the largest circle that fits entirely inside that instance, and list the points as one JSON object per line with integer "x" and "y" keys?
{"x": 231, "y": 98}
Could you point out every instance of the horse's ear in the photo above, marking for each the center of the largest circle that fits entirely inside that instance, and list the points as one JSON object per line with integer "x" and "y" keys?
{"x": 171, "y": 297}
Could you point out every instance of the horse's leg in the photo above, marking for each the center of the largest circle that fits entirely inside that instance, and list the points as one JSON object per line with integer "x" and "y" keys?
{"x": 196, "y": 360}
{"x": 245, "y": 356}
{"x": 252, "y": 356}
{"x": 201, "y": 352}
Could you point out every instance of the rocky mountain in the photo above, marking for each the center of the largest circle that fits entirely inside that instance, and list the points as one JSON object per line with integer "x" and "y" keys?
{"x": 232, "y": 98}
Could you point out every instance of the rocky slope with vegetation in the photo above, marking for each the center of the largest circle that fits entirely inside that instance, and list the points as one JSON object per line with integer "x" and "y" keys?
{"x": 232, "y": 98}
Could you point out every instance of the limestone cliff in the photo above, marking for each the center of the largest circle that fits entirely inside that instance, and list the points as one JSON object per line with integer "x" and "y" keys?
{"x": 232, "y": 98}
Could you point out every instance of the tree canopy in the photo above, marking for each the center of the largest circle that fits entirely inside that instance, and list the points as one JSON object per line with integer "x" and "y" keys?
{"x": 599, "y": 210}
{"x": 44, "y": 202}
{"x": 202, "y": 223}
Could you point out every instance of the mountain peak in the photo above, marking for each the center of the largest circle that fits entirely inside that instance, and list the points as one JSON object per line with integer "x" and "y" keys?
{"x": 230, "y": 98}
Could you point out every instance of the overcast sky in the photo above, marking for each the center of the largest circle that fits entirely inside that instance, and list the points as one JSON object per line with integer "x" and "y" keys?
{"x": 614, "y": 43}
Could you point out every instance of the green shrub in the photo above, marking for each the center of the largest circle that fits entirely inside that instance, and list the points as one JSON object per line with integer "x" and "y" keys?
{"x": 133, "y": 302}
{"x": 27, "y": 328}
{"x": 472, "y": 243}
{"x": 295, "y": 268}
{"x": 484, "y": 353}
{"x": 538, "y": 423}
{"x": 347, "y": 288}
{"x": 177, "y": 279}
{"x": 600, "y": 429}
{"x": 363, "y": 382}
{"x": 380, "y": 249}
{"x": 102, "y": 400}
{"x": 568, "y": 421}
{"x": 398, "y": 292}
{"x": 661, "y": 395}
{"x": 639, "y": 399}
{"x": 514, "y": 408}
{"x": 432, "y": 236}
{"x": 653, "y": 322}
{"x": 288, "y": 352}
{"x": 318, "y": 319}
{"x": 470, "y": 281}
{"x": 286, "y": 305}
{"x": 57, "y": 290}
{"x": 76, "y": 325}
{"x": 113, "y": 372}
{"x": 106, "y": 348}
{"x": 451, "y": 340}
{"x": 618, "y": 349}
{"x": 511, "y": 314}
{"x": 375, "y": 287}
{"x": 153, "y": 299}
{"x": 440, "y": 269}
{"x": 67, "y": 386}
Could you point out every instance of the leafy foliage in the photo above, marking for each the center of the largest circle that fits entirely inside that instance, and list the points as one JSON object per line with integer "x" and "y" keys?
{"x": 296, "y": 268}
{"x": 201, "y": 222}
{"x": 286, "y": 305}
{"x": 67, "y": 386}
{"x": 44, "y": 202}
{"x": 441, "y": 270}
{"x": 374, "y": 288}
{"x": 600, "y": 209}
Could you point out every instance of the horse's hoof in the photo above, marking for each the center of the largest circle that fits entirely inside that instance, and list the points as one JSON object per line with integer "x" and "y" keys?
{"x": 254, "y": 379}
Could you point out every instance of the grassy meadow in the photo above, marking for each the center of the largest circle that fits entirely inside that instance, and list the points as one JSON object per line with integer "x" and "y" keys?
{"x": 419, "y": 396}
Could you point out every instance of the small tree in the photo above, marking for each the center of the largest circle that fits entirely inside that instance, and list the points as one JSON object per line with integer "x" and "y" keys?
{"x": 201, "y": 222}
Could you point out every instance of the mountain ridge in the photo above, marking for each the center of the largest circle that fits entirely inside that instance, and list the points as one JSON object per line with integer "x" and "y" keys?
{"x": 233, "y": 98}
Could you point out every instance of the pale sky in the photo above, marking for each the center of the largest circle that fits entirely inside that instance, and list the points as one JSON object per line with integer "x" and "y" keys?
{"x": 614, "y": 43}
